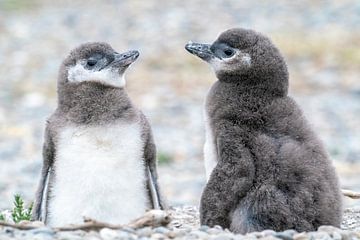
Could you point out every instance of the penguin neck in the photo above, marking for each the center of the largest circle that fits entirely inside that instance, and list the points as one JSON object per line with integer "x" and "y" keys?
{"x": 87, "y": 103}
{"x": 270, "y": 83}
{"x": 235, "y": 100}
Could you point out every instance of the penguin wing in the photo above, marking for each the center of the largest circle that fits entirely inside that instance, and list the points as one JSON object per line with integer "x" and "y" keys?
{"x": 40, "y": 204}
{"x": 230, "y": 180}
{"x": 156, "y": 199}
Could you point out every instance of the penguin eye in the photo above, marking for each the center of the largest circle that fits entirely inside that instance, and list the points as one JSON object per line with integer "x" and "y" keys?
{"x": 228, "y": 52}
{"x": 91, "y": 62}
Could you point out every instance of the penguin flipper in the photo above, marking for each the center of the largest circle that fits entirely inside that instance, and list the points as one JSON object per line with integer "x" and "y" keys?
{"x": 40, "y": 204}
{"x": 230, "y": 181}
{"x": 157, "y": 200}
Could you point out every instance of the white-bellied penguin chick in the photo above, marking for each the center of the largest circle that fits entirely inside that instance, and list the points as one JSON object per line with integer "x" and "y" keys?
{"x": 266, "y": 168}
{"x": 99, "y": 156}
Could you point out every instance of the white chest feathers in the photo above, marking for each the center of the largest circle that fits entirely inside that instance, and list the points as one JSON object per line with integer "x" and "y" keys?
{"x": 210, "y": 153}
{"x": 99, "y": 173}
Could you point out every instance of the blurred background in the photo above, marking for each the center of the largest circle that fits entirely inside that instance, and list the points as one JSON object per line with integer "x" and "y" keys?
{"x": 319, "y": 39}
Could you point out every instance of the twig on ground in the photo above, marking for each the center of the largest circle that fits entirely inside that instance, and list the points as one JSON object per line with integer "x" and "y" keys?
{"x": 351, "y": 194}
{"x": 18, "y": 226}
{"x": 153, "y": 218}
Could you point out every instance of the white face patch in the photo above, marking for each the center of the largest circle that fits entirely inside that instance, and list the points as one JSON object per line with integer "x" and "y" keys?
{"x": 240, "y": 60}
{"x": 110, "y": 76}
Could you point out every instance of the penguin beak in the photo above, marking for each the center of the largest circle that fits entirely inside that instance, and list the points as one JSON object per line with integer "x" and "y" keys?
{"x": 201, "y": 50}
{"x": 124, "y": 59}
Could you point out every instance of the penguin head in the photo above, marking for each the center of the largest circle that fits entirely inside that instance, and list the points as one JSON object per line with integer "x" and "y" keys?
{"x": 242, "y": 55}
{"x": 96, "y": 62}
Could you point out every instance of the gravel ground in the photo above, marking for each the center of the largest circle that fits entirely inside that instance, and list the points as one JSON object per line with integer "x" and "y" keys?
{"x": 185, "y": 225}
{"x": 319, "y": 40}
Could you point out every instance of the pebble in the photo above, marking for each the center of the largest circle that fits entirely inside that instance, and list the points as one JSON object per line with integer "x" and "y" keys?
{"x": 187, "y": 231}
{"x": 336, "y": 236}
{"x": 108, "y": 234}
{"x": 224, "y": 236}
{"x": 270, "y": 238}
{"x": 301, "y": 236}
{"x": 198, "y": 234}
{"x": 42, "y": 230}
{"x": 290, "y": 232}
{"x": 283, "y": 236}
{"x": 68, "y": 236}
{"x": 158, "y": 236}
{"x": 267, "y": 232}
{"x": 214, "y": 231}
{"x": 321, "y": 235}
{"x": 162, "y": 230}
{"x": 204, "y": 228}
{"x": 144, "y": 232}
{"x": 250, "y": 236}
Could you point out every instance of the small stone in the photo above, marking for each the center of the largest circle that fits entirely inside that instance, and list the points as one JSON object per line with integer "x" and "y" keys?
{"x": 214, "y": 231}
{"x": 204, "y": 228}
{"x": 92, "y": 237}
{"x": 162, "y": 230}
{"x": 270, "y": 238}
{"x": 239, "y": 237}
{"x": 352, "y": 235}
{"x": 68, "y": 235}
{"x": 108, "y": 234}
{"x": 128, "y": 229}
{"x": 249, "y": 236}
{"x": 198, "y": 234}
{"x": 327, "y": 229}
{"x": 124, "y": 235}
{"x": 9, "y": 230}
{"x": 42, "y": 230}
{"x": 224, "y": 236}
{"x": 158, "y": 236}
{"x": 301, "y": 236}
{"x": 336, "y": 235}
{"x": 290, "y": 232}
{"x": 283, "y": 236}
{"x": 268, "y": 232}
{"x": 177, "y": 233}
{"x": 144, "y": 232}
{"x": 321, "y": 235}
{"x": 254, "y": 235}
{"x": 143, "y": 238}
{"x": 171, "y": 234}
{"x": 218, "y": 227}
{"x": 6, "y": 238}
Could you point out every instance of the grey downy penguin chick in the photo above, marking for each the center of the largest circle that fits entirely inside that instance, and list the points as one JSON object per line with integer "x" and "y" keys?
{"x": 266, "y": 168}
{"x": 99, "y": 156}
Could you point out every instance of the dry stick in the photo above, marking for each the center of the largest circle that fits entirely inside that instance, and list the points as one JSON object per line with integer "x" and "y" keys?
{"x": 17, "y": 226}
{"x": 351, "y": 194}
{"x": 153, "y": 218}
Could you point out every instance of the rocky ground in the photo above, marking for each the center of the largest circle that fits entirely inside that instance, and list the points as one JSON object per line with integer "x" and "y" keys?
{"x": 319, "y": 40}
{"x": 185, "y": 225}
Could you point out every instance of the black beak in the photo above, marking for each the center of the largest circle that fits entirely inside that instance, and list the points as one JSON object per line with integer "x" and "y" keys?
{"x": 199, "y": 49}
{"x": 124, "y": 59}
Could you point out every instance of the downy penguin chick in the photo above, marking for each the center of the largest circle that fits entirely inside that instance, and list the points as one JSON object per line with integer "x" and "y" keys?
{"x": 266, "y": 168}
{"x": 99, "y": 156}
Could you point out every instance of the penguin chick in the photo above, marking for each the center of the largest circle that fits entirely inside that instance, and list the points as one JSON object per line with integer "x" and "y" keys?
{"x": 266, "y": 168}
{"x": 99, "y": 156}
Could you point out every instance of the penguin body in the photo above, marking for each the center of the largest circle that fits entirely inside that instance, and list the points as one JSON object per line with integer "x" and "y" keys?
{"x": 266, "y": 168}
{"x": 99, "y": 154}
